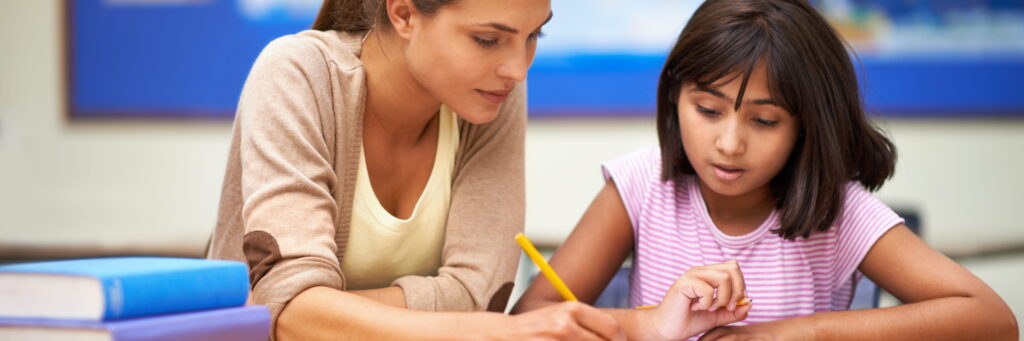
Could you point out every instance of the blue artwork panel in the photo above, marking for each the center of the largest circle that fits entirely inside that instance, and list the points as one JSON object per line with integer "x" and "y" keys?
{"x": 189, "y": 58}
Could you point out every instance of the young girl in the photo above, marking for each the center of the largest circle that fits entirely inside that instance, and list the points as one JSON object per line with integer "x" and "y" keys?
{"x": 375, "y": 179}
{"x": 760, "y": 190}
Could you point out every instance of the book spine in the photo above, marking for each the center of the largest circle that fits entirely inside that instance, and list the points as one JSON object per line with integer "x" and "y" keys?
{"x": 174, "y": 292}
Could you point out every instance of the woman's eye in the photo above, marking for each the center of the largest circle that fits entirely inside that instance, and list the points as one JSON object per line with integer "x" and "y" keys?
{"x": 485, "y": 42}
{"x": 538, "y": 35}
{"x": 766, "y": 123}
{"x": 706, "y": 111}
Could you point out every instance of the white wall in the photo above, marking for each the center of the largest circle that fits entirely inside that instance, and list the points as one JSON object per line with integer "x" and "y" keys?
{"x": 153, "y": 186}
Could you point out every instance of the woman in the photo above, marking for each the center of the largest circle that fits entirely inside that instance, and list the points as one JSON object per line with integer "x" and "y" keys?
{"x": 376, "y": 172}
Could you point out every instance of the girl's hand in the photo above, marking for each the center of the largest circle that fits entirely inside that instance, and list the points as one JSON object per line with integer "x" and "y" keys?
{"x": 775, "y": 330}
{"x": 563, "y": 321}
{"x": 703, "y": 298}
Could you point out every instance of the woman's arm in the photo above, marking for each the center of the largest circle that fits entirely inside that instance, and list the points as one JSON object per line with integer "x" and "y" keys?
{"x": 322, "y": 313}
{"x": 943, "y": 301}
{"x": 594, "y": 252}
{"x": 391, "y": 296}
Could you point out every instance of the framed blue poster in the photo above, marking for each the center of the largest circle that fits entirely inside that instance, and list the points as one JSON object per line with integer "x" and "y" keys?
{"x": 187, "y": 59}
{"x": 169, "y": 58}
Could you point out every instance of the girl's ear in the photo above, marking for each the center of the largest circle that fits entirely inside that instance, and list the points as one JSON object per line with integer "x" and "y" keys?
{"x": 400, "y": 13}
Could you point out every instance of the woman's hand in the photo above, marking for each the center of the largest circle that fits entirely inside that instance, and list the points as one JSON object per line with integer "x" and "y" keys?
{"x": 703, "y": 298}
{"x": 563, "y": 321}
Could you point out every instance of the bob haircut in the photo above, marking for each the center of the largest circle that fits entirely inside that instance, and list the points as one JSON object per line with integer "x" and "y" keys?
{"x": 810, "y": 75}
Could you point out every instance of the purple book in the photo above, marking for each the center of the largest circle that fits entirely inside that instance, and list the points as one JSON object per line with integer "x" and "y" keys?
{"x": 247, "y": 323}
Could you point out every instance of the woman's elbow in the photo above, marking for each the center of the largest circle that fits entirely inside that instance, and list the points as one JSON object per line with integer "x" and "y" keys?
{"x": 1010, "y": 327}
{"x": 1004, "y": 324}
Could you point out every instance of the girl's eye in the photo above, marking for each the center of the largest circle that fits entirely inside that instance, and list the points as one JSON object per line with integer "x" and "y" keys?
{"x": 538, "y": 35}
{"x": 485, "y": 42}
{"x": 706, "y": 111}
{"x": 766, "y": 123}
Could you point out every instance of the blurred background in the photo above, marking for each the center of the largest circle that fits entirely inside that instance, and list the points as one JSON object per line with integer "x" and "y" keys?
{"x": 115, "y": 116}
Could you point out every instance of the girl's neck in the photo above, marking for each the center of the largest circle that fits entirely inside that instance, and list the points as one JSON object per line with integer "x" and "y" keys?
{"x": 741, "y": 214}
{"x": 397, "y": 105}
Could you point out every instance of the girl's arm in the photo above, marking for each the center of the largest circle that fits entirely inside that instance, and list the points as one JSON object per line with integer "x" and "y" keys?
{"x": 943, "y": 301}
{"x": 322, "y": 313}
{"x": 594, "y": 252}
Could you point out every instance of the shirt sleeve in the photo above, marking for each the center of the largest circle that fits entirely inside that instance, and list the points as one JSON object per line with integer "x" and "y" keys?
{"x": 863, "y": 220}
{"x": 480, "y": 256}
{"x": 633, "y": 174}
{"x": 287, "y": 177}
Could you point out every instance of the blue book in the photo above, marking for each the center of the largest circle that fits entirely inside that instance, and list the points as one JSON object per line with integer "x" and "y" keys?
{"x": 103, "y": 289}
{"x": 247, "y": 323}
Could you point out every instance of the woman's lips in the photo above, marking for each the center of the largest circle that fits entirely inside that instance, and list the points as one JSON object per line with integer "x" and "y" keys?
{"x": 495, "y": 97}
{"x": 727, "y": 173}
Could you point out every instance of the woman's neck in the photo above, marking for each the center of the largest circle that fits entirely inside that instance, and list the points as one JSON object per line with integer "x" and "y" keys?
{"x": 741, "y": 214}
{"x": 397, "y": 106}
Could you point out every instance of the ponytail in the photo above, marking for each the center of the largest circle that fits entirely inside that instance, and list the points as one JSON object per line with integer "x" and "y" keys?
{"x": 362, "y": 15}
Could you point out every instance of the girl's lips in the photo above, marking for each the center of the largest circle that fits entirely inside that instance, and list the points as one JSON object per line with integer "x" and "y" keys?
{"x": 727, "y": 174}
{"x": 495, "y": 97}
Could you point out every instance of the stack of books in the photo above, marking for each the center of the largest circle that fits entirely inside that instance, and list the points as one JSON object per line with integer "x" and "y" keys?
{"x": 129, "y": 298}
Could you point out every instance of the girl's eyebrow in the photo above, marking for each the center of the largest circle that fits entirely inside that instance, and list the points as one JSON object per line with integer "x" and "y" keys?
{"x": 719, "y": 94}
{"x": 509, "y": 29}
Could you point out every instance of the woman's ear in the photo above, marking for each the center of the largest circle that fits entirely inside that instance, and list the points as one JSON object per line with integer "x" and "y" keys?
{"x": 400, "y": 13}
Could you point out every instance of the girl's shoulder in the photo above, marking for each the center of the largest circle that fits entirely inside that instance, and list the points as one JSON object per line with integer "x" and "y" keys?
{"x": 864, "y": 213}
{"x": 638, "y": 174}
{"x": 639, "y": 166}
{"x": 857, "y": 197}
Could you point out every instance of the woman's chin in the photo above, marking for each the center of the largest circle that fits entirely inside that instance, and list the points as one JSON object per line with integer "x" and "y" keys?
{"x": 477, "y": 116}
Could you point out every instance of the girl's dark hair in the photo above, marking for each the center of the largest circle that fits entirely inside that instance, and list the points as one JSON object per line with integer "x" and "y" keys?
{"x": 362, "y": 15}
{"x": 809, "y": 74}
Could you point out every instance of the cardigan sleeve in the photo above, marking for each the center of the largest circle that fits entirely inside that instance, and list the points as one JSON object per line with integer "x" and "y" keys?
{"x": 288, "y": 212}
{"x": 480, "y": 256}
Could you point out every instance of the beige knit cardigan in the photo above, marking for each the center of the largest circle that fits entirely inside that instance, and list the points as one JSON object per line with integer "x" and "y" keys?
{"x": 286, "y": 201}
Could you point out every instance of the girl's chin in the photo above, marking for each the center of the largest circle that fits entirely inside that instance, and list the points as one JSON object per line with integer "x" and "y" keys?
{"x": 730, "y": 189}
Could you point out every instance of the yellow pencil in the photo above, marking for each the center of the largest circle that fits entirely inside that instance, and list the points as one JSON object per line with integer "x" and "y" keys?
{"x": 545, "y": 268}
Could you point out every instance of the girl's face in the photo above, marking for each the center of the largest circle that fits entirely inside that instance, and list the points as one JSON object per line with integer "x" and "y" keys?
{"x": 470, "y": 54}
{"x": 735, "y": 152}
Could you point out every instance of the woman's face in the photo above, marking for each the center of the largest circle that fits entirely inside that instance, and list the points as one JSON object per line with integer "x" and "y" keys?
{"x": 735, "y": 152}
{"x": 471, "y": 53}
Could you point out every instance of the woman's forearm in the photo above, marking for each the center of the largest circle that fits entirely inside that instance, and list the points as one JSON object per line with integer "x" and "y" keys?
{"x": 635, "y": 327}
{"x": 392, "y": 296}
{"x": 323, "y": 313}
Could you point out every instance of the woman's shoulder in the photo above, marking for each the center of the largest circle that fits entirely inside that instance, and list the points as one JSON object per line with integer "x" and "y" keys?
{"x": 313, "y": 48}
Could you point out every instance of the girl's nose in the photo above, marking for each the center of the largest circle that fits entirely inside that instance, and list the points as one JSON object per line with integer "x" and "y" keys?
{"x": 731, "y": 140}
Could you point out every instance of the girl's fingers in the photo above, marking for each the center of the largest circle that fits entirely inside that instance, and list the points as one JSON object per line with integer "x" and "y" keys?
{"x": 701, "y": 294}
{"x": 739, "y": 285}
{"x": 737, "y": 282}
{"x": 721, "y": 281}
{"x": 724, "y": 317}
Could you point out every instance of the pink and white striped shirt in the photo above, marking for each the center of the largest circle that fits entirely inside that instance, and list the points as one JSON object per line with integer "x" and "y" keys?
{"x": 673, "y": 232}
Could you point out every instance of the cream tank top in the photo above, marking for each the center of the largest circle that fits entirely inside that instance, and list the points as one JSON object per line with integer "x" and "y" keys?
{"x": 381, "y": 248}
